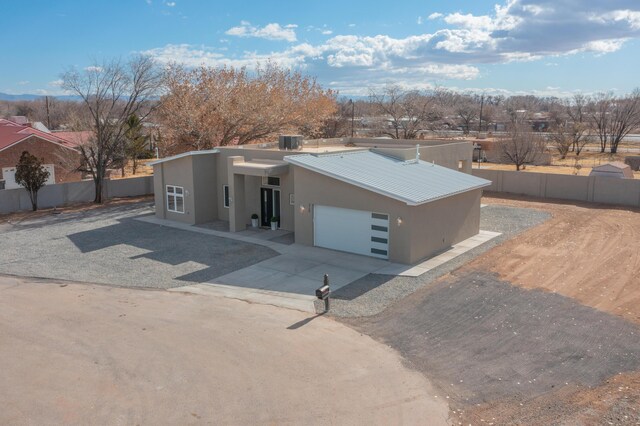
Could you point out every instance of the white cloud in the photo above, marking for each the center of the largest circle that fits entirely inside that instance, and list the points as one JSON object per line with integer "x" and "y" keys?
{"x": 419, "y": 20}
{"x": 93, "y": 68}
{"x": 55, "y": 83}
{"x": 194, "y": 56}
{"x": 170, "y": 3}
{"x": 516, "y": 30}
{"x": 327, "y": 32}
{"x": 272, "y": 31}
{"x": 23, "y": 83}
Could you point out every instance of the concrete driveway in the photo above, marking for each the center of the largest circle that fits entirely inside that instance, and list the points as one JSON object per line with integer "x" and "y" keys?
{"x": 87, "y": 354}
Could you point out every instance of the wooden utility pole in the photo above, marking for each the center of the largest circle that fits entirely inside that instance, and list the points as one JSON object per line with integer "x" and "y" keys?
{"x": 46, "y": 103}
{"x": 481, "y": 107}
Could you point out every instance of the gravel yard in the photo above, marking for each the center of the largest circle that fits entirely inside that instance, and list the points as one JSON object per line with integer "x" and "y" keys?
{"x": 108, "y": 246}
{"x": 373, "y": 293}
{"x": 481, "y": 340}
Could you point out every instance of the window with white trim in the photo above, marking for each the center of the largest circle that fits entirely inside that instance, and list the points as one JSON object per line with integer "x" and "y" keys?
{"x": 225, "y": 191}
{"x": 175, "y": 199}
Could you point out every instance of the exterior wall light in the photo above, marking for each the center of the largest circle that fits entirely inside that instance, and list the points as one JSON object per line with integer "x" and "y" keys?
{"x": 302, "y": 209}
{"x": 399, "y": 221}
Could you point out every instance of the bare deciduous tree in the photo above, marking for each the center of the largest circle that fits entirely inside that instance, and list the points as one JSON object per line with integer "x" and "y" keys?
{"x": 521, "y": 146}
{"x": 625, "y": 117}
{"x": 614, "y": 117}
{"x": 468, "y": 111}
{"x": 599, "y": 111}
{"x": 404, "y": 114}
{"x": 111, "y": 92}
{"x": 569, "y": 131}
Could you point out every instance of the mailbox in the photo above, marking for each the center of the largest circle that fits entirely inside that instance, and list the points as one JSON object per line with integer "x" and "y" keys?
{"x": 323, "y": 292}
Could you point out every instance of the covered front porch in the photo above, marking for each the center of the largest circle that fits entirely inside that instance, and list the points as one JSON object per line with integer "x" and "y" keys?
{"x": 259, "y": 187}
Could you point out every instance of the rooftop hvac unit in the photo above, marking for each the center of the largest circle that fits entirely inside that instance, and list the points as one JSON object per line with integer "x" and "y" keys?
{"x": 290, "y": 142}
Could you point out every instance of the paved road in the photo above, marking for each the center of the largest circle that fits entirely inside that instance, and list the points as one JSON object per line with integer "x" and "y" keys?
{"x": 88, "y": 354}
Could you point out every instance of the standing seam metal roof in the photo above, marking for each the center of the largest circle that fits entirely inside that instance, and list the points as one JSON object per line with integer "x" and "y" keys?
{"x": 411, "y": 182}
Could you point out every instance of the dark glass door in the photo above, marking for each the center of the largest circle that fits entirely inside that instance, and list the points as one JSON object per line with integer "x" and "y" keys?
{"x": 270, "y": 205}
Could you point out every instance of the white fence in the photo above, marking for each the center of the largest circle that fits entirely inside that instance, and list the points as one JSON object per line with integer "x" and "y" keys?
{"x": 596, "y": 189}
{"x": 61, "y": 194}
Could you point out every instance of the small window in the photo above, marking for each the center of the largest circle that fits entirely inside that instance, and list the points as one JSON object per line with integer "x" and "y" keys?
{"x": 175, "y": 199}
{"x": 271, "y": 181}
{"x": 225, "y": 190}
{"x": 379, "y": 228}
{"x": 379, "y": 216}
{"x": 379, "y": 240}
{"x": 378, "y": 251}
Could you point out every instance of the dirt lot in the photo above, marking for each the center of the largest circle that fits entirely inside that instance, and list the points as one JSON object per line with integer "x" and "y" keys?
{"x": 585, "y": 251}
{"x": 85, "y": 354}
{"x": 543, "y": 329}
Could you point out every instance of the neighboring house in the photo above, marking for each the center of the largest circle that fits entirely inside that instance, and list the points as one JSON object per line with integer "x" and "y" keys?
{"x": 16, "y": 138}
{"x": 615, "y": 169}
{"x": 364, "y": 196}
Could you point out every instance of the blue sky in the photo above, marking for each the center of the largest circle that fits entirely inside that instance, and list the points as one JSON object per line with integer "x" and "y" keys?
{"x": 544, "y": 47}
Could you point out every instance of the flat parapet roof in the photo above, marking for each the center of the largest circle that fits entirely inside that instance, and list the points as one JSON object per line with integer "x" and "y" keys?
{"x": 184, "y": 154}
{"x": 261, "y": 168}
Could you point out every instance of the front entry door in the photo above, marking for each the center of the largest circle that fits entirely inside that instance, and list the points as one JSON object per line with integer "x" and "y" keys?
{"x": 270, "y": 201}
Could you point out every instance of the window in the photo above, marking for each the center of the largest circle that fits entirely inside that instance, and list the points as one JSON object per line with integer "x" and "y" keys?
{"x": 379, "y": 216}
{"x": 225, "y": 191}
{"x": 175, "y": 199}
{"x": 271, "y": 181}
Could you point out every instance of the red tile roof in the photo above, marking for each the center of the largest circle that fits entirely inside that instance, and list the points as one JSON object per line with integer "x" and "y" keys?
{"x": 12, "y": 133}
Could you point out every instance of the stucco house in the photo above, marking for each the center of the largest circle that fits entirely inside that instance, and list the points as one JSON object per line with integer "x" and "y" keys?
{"x": 388, "y": 199}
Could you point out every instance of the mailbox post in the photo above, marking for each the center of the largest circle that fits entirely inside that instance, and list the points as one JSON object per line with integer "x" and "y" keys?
{"x": 324, "y": 292}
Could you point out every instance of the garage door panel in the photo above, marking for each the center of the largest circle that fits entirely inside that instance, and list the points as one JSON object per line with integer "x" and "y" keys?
{"x": 353, "y": 231}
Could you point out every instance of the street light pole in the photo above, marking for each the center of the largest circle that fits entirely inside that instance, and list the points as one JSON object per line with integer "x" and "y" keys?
{"x": 352, "y": 115}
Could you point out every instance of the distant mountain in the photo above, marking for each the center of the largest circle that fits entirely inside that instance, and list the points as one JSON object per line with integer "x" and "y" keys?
{"x": 30, "y": 97}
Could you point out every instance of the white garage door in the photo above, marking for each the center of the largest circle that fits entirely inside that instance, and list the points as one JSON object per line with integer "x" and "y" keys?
{"x": 9, "y": 176}
{"x": 354, "y": 231}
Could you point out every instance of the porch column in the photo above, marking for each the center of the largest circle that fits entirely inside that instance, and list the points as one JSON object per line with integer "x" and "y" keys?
{"x": 237, "y": 215}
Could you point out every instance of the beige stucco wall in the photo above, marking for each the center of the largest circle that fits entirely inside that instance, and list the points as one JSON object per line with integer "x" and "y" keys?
{"x": 596, "y": 189}
{"x": 438, "y": 225}
{"x": 448, "y": 155}
{"x": 178, "y": 172}
{"x": 205, "y": 188}
{"x": 425, "y": 230}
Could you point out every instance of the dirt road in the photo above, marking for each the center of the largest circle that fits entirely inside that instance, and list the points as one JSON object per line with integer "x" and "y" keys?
{"x": 83, "y": 354}
{"x": 587, "y": 252}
